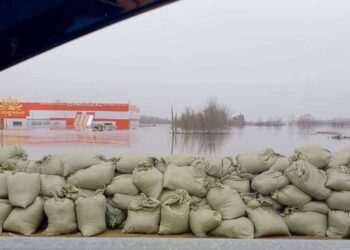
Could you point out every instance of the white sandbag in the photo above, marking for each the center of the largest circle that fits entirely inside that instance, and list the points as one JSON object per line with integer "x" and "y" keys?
{"x": 240, "y": 228}
{"x": 25, "y": 220}
{"x": 340, "y": 158}
{"x": 32, "y": 167}
{"x": 282, "y": 163}
{"x": 256, "y": 162}
{"x": 94, "y": 177}
{"x": 309, "y": 179}
{"x": 203, "y": 220}
{"x": 313, "y": 154}
{"x": 127, "y": 163}
{"x": 5, "y": 210}
{"x": 3, "y": 184}
{"x": 189, "y": 178}
{"x": 148, "y": 179}
{"x": 51, "y": 185}
{"x": 12, "y": 154}
{"x": 71, "y": 192}
{"x": 166, "y": 194}
{"x": 23, "y": 188}
{"x": 181, "y": 160}
{"x": 123, "y": 201}
{"x": 316, "y": 206}
{"x": 74, "y": 161}
{"x": 338, "y": 178}
{"x": 338, "y": 224}
{"x": 226, "y": 201}
{"x": 143, "y": 216}
{"x": 175, "y": 213}
{"x": 218, "y": 167}
{"x": 339, "y": 200}
{"x": 91, "y": 214}
{"x": 306, "y": 223}
{"x": 275, "y": 204}
{"x": 269, "y": 181}
{"x": 266, "y": 221}
{"x": 51, "y": 164}
{"x": 61, "y": 216}
{"x": 122, "y": 184}
{"x": 21, "y": 165}
{"x": 292, "y": 196}
{"x": 236, "y": 182}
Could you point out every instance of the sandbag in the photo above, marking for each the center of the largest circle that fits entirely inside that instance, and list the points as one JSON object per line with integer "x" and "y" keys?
{"x": 122, "y": 184}
{"x": 23, "y": 188}
{"x": 91, "y": 214}
{"x": 313, "y": 154}
{"x": 181, "y": 160}
{"x": 226, "y": 201}
{"x": 266, "y": 221}
{"x": 338, "y": 224}
{"x": 5, "y": 210}
{"x": 309, "y": 179}
{"x": 74, "y": 161}
{"x": 306, "y": 223}
{"x": 71, "y": 192}
{"x": 114, "y": 216}
{"x": 189, "y": 178}
{"x": 218, "y": 167}
{"x": 282, "y": 163}
{"x": 256, "y": 162}
{"x": 94, "y": 177}
{"x": 148, "y": 179}
{"x": 236, "y": 182}
{"x": 25, "y": 220}
{"x": 143, "y": 216}
{"x": 340, "y": 158}
{"x": 51, "y": 164}
{"x": 51, "y": 185}
{"x": 122, "y": 201}
{"x": 3, "y": 184}
{"x": 203, "y": 220}
{"x": 240, "y": 228}
{"x": 175, "y": 213}
{"x": 292, "y": 196}
{"x": 316, "y": 206}
{"x": 269, "y": 181}
{"x": 338, "y": 178}
{"x": 166, "y": 194}
{"x": 61, "y": 216}
{"x": 12, "y": 154}
{"x": 32, "y": 167}
{"x": 275, "y": 204}
{"x": 339, "y": 201}
{"x": 127, "y": 163}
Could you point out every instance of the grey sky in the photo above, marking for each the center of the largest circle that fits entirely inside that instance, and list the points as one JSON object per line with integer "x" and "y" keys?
{"x": 262, "y": 58}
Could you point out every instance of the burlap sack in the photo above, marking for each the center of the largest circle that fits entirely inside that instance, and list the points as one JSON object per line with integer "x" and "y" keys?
{"x": 236, "y": 182}
{"x": 218, "y": 167}
{"x": 61, "y": 216}
{"x": 74, "y": 161}
{"x": 23, "y": 188}
{"x": 339, "y": 200}
{"x": 314, "y": 154}
{"x": 25, "y": 220}
{"x": 12, "y": 154}
{"x": 309, "y": 179}
{"x": 51, "y": 185}
{"x": 122, "y": 184}
{"x": 338, "y": 224}
{"x": 282, "y": 163}
{"x": 166, "y": 194}
{"x": 3, "y": 183}
{"x": 316, "y": 206}
{"x": 203, "y": 220}
{"x": 91, "y": 214}
{"x": 338, "y": 178}
{"x": 51, "y": 164}
{"x": 94, "y": 177}
{"x": 71, "y": 192}
{"x": 292, "y": 196}
{"x": 127, "y": 163}
{"x": 266, "y": 221}
{"x": 143, "y": 216}
{"x": 5, "y": 210}
{"x": 175, "y": 213}
{"x": 240, "y": 228}
{"x": 226, "y": 201}
{"x": 269, "y": 181}
{"x": 148, "y": 179}
{"x": 123, "y": 201}
{"x": 256, "y": 162}
{"x": 180, "y": 160}
{"x": 189, "y": 178}
{"x": 340, "y": 158}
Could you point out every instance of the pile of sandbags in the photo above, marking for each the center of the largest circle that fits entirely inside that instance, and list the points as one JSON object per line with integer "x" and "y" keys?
{"x": 259, "y": 194}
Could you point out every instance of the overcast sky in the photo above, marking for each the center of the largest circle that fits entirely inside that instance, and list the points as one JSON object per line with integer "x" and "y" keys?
{"x": 262, "y": 58}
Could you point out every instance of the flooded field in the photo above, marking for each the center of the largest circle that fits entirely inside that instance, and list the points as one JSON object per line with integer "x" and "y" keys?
{"x": 158, "y": 140}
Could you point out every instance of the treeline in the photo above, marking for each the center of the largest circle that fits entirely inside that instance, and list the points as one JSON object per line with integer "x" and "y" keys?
{"x": 146, "y": 119}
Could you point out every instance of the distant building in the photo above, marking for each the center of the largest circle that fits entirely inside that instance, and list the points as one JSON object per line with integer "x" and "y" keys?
{"x": 29, "y": 114}
{"x": 238, "y": 120}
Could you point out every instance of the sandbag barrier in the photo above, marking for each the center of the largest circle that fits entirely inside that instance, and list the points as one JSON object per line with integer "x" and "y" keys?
{"x": 251, "y": 195}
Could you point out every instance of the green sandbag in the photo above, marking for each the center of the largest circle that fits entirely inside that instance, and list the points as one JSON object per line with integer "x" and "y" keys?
{"x": 114, "y": 216}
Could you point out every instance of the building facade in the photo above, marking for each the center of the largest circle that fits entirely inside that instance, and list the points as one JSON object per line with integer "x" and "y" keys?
{"x": 14, "y": 114}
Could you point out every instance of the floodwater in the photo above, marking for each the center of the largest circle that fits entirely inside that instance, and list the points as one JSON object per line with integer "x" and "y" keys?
{"x": 158, "y": 140}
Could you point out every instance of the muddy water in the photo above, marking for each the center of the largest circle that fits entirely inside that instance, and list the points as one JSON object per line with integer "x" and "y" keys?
{"x": 158, "y": 141}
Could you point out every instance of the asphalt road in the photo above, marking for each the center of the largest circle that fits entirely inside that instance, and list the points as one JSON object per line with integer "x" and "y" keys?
{"x": 44, "y": 243}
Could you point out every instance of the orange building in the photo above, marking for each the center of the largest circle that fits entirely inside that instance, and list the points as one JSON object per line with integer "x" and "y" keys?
{"x": 30, "y": 114}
